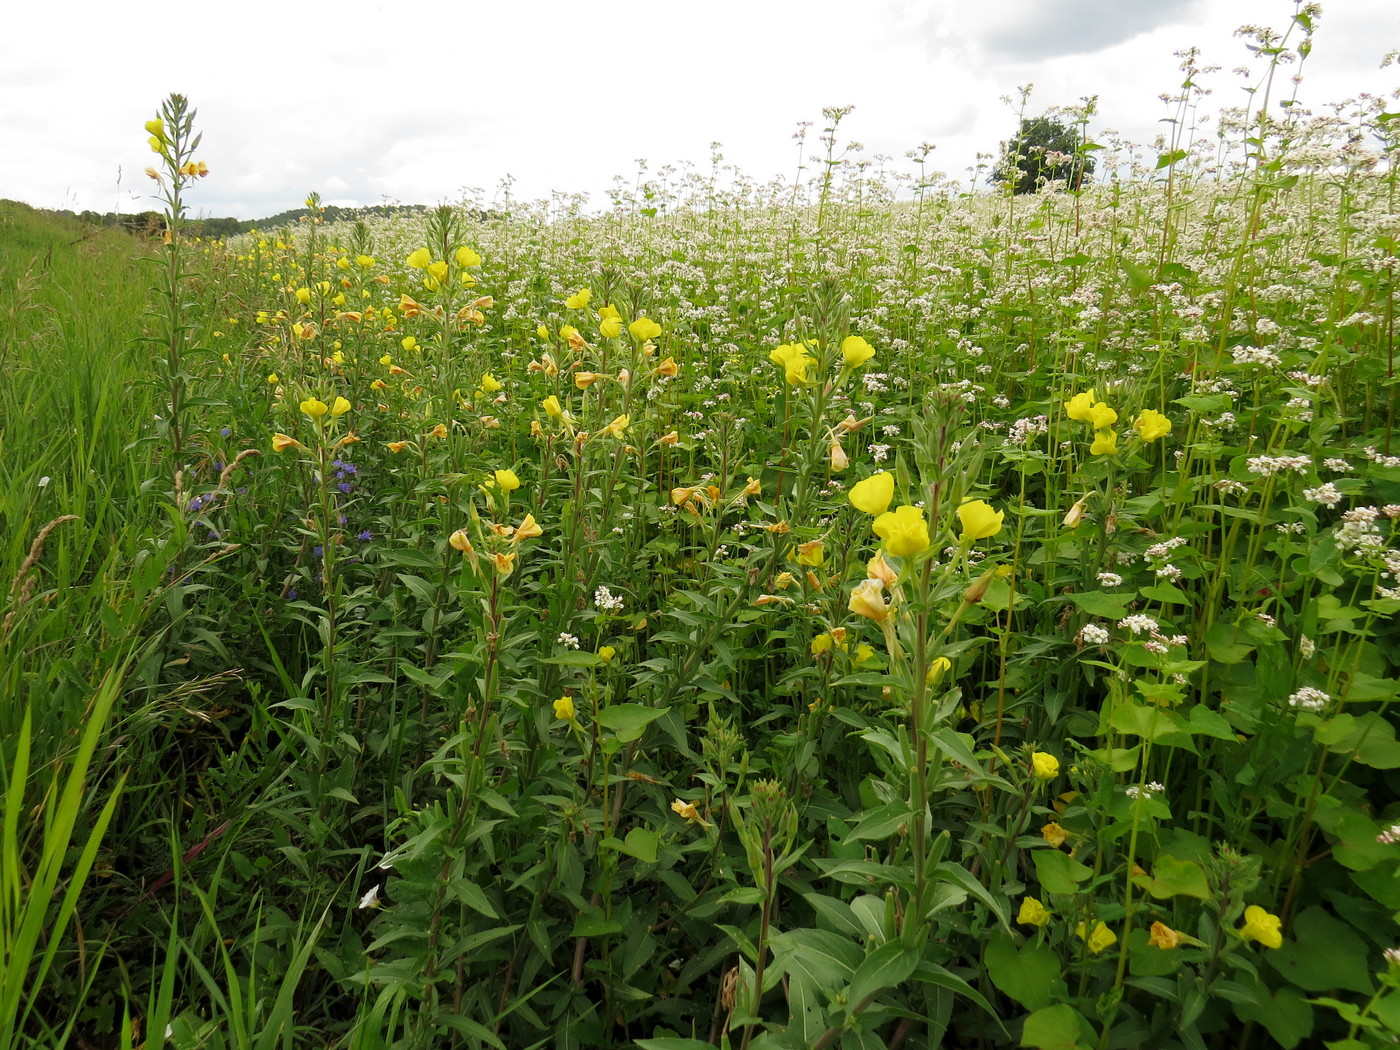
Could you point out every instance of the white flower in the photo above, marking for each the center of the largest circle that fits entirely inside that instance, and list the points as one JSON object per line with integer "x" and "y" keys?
{"x": 1093, "y": 634}
{"x": 1309, "y": 699}
{"x": 370, "y": 899}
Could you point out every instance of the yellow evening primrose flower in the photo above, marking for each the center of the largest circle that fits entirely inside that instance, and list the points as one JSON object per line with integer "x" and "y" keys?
{"x": 528, "y": 529}
{"x": 1151, "y": 425}
{"x": 1054, "y": 834}
{"x": 868, "y": 600}
{"x": 1046, "y": 766}
{"x": 689, "y": 812}
{"x": 460, "y": 541}
{"x": 507, "y": 480}
{"x": 606, "y": 653}
{"x": 1080, "y": 405}
{"x": 1102, "y": 417}
{"x": 364, "y": 262}
{"x": 466, "y": 257}
{"x": 1032, "y": 912}
{"x": 855, "y": 351}
{"x": 273, "y": 378}
{"x": 617, "y": 426}
{"x": 489, "y": 383}
{"x": 1260, "y": 926}
{"x": 812, "y": 553}
{"x": 419, "y": 259}
{"x": 564, "y": 709}
{"x": 396, "y": 446}
{"x": 795, "y": 361}
{"x": 282, "y": 442}
{"x": 579, "y": 299}
{"x": 314, "y": 407}
{"x": 1164, "y": 937}
{"x": 941, "y": 665}
{"x": 552, "y": 407}
{"x": 340, "y": 406}
{"x": 979, "y": 521}
{"x": 1105, "y": 443}
{"x": 610, "y": 327}
{"x": 1101, "y": 937}
{"x": 874, "y": 494}
{"x": 904, "y": 531}
{"x": 437, "y": 271}
{"x": 303, "y": 295}
{"x": 504, "y": 563}
{"x": 644, "y": 328}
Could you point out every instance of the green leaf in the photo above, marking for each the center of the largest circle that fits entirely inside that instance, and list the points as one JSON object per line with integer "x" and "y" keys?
{"x": 1031, "y": 976}
{"x": 593, "y": 923}
{"x": 1056, "y": 1028}
{"x": 1172, "y": 878}
{"x": 1059, "y": 872}
{"x": 1321, "y": 953}
{"x": 879, "y": 824}
{"x": 1101, "y": 604}
{"x": 1205, "y": 722}
{"x": 1369, "y": 739}
{"x": 675, "y": 1043}
{"x": 886, "y": 967}
{"x": 1226, "y": 643}
{"x": 1150, "y": 723}
{"x": 640, "y": 843}
{"x": 1284, "y": 1012}
{"x": 628, "y": 721}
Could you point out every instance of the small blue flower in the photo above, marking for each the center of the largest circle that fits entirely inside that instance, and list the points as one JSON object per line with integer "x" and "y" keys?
{"x": 365, "y": 537}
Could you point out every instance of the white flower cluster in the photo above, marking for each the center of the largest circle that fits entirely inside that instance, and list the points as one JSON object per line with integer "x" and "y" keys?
{"x": 1326, "y": 494}
{"x": 1093, "y": 634}
{"x": 606, "y": 601}
{"x": 1309, "y": 699}
{"x": 1358, "y": 533}
{"x": 1254, "y": 355}
{"x": 1024, "y": 429}
{"x": 1268, "y": 466}
{"x": 1146, "y": 790}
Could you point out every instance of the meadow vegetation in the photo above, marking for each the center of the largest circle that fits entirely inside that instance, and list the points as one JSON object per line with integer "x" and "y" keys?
{"x": 848, "y": 611}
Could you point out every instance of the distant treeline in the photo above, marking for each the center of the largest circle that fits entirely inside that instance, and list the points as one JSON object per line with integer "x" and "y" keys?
{"x": 151, "y": 223}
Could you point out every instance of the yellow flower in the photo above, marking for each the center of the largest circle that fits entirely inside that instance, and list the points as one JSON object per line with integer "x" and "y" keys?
{"x": 437, "y": 271}
{"x": 459, "y": 540}
{"x": 644, "y": 328}
{"x": 1102, "y": 417}
{"x": 466, "y": 257}
{"x": 314, "y": 407}
{"x": 282, "y": 442}
{"x": 867, "y": 599}
{"x": 507, "y": 480}
{"x": 564, "y": 709}
{"x": 489, "y": 383}
{"x": 689, "y": 812}
{"x": 303, "y": 295}
{"x": 1164, "y": 937}
{"x": 610, "y": 327}
{"x": 979, "y": 521}
{"x": 1105, "y": 443}
{"x": 813, "y": 553}
{"x": 505, "y": 563}
{"x": 364, "y": 262}
{"x": 1101, "y": 937}
{"x": 579, "y": 299}
{"x": 439, "y": 431}
{"x": 1079, "y": 406}
{"x": 668, "y": 368}
{"x": 528, "y": 529}
{"x": 340, "y": 406}
{"x": 839, "y": 460}
{"x": 606, "y": 654}
{"x": 1076, "y": 513}
{"x": 904, "y": 531}
{"x": 409, "y": 343}
{"x": 855, "y": 351}
{"x": 542, "y": 332}
{"x": 873, "y": 495}
{"x": 408, "y": 306}
{"x": 1151, "y": 425}
{"x": 616, "y": 427}
{"x": 419, "y": 259}
{"x": 879, "y": 569}
{"x": 1046, "y": 766}
{"x": 864, "y": 652}
{"x": 397, "y": 446}
{"x": 156, "y": 127}
{"x": 794, "y": 360}
{"x": 273, "y": 378}
{"x": 941, "y": 665}
{"x": 1260, "y": 926}
{"x": 552, "y": 407}
{"x": 821, "y": 643}
{"x": 1054, "y": 834}
{"x": 1032, "y": 912}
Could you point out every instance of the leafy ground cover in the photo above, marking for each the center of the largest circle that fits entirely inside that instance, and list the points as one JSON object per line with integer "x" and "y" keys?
{"x": 766, "y": 616}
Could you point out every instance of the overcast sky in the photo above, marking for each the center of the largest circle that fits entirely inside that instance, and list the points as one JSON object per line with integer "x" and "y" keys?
{"x": 366, "y": 101}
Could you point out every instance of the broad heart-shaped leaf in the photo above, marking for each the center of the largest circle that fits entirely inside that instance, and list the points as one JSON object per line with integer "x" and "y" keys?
{"x": 1368, "y": 738}
{"x": 640, "y": 843}
{"x": 1057, "y": 1028}
{"x": 1171, "y": 878}
{"x": 1285, "y": 1013}
{"x": 628, "y": 721}
{"x": 1031, "y": 976}
{"x": 1320, "y": 954}
{"x": 1059, "y": 872}
{"x": 1151, "y": 723}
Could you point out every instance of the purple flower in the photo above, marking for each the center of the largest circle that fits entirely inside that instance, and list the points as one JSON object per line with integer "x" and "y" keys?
{"x": 365, "y": 536}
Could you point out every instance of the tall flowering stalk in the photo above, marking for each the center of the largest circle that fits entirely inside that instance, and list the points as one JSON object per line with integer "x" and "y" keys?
{"x": 174, "y": 141}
